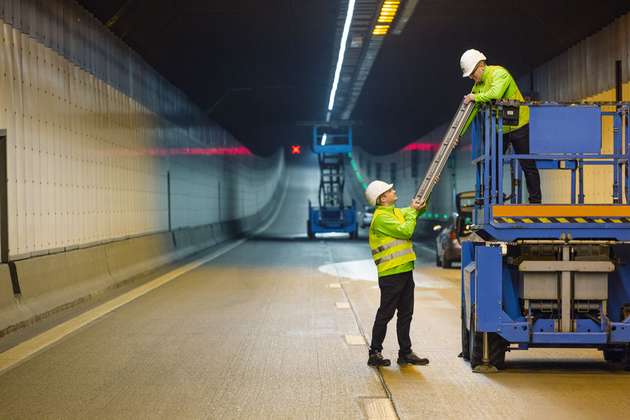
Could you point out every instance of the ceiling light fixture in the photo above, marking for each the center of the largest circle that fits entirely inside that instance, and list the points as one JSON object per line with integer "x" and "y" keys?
{"x": 380, "y": 30}
{"x": 386, "y": 16}
{"x": 342, "y": 52}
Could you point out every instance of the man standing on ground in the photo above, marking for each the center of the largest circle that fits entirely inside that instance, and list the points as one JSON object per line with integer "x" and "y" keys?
{"x": 392, "y": 249}
{"x": 496, "y": 83}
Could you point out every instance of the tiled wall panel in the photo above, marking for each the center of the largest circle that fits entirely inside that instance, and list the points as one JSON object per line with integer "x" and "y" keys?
{"x": 93, "y": 132}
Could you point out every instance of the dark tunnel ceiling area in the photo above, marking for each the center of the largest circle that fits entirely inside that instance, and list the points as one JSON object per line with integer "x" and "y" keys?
{"x": 258, "y": 67}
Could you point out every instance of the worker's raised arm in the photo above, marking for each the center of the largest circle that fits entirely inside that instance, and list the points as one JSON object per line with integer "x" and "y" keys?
{"x": 387, "y": 224}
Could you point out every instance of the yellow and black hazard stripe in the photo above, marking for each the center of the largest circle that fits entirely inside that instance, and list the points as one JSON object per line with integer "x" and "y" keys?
{"x": 546, "y": 220}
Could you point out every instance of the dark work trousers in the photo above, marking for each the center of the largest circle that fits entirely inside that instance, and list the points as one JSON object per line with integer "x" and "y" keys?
{"x": 396, "y": 294}
{"x": 520, "y": 142}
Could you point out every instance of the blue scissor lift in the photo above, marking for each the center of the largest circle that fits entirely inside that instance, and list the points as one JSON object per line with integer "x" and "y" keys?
{"x": 332, "y": 143}
{"x": 548, "y": 275}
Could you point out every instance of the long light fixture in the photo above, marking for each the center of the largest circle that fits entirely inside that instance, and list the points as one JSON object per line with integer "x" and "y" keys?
{"x": 342, "y": 53}
{"x": 386, "y": 17}
{"x": 324, "y": 139}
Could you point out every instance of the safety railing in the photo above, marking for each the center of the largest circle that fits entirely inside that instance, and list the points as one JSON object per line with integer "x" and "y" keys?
{"x": 562, "y": 136}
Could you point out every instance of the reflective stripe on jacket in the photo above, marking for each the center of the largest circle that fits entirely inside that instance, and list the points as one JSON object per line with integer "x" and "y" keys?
{"x": 390, "y": 239}
{"x": 497, "y": 83}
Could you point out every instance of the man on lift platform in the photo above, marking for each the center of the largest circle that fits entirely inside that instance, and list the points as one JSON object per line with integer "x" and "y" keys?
{"x": 496, "y": 83}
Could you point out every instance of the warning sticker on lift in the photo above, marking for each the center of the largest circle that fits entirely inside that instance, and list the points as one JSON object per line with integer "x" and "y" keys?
{"x": 545, "y": 220}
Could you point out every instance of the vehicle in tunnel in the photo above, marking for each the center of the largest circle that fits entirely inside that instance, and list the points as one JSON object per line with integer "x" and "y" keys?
{"x": 366, "y": 216}
{"x": 448, "y": 243}
{"x": 332, "y": 143}
{"x": 553, "y": 275}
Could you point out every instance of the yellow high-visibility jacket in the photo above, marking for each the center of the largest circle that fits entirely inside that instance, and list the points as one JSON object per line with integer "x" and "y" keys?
{"x": 497, "y": 83}
{"x": 390, "y": 239}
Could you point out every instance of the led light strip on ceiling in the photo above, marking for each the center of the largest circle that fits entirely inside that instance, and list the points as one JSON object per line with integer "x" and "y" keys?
{"x": 342, "y": 52}
{"x": 367, "y": 22}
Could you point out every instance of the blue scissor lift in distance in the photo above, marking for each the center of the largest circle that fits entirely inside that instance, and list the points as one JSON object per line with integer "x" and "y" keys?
{"x": 332, "y": 143}
{"x": 548, "y": 275}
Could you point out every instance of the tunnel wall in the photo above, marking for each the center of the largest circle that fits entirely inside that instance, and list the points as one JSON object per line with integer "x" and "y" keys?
{"x": 586, "y": 69}
{"x": 584, "y": 72}
{"x": 111, "y": 170}
{"x": 93, "y": 134}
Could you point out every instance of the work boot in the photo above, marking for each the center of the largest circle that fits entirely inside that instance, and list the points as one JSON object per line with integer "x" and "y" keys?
{"x": 377, "y": 359}
{"x": 412, "y": 359}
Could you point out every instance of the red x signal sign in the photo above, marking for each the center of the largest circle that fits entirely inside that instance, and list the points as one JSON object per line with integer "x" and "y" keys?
{"x": 296, "y": 149}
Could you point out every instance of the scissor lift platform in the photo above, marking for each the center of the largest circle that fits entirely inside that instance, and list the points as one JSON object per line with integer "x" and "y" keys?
{"x": 547, "y": 275}
{"x": 332, "y": 143}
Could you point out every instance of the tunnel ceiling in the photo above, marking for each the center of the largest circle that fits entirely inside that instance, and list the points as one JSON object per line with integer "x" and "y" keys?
{"x": 258, "y": 67}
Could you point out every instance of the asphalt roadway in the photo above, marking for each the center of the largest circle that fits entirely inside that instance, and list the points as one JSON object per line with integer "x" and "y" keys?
{"x": 275, "y": 328}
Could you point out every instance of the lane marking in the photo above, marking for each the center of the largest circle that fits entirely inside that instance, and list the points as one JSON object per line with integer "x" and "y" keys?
{"x": 343, "y": 305}
{"x": 355, "y": 340}
{"x": 334, "y": 286}
{"x": 379, "y": 408}
{"x": 354, "y": 270}
{"x": 29, "y": 348}
{"x": 362, "y": 340}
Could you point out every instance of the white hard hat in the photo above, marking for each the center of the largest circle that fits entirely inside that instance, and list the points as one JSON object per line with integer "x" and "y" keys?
{"x": 469, "y": 61}
{"x": 375, "y": 189}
